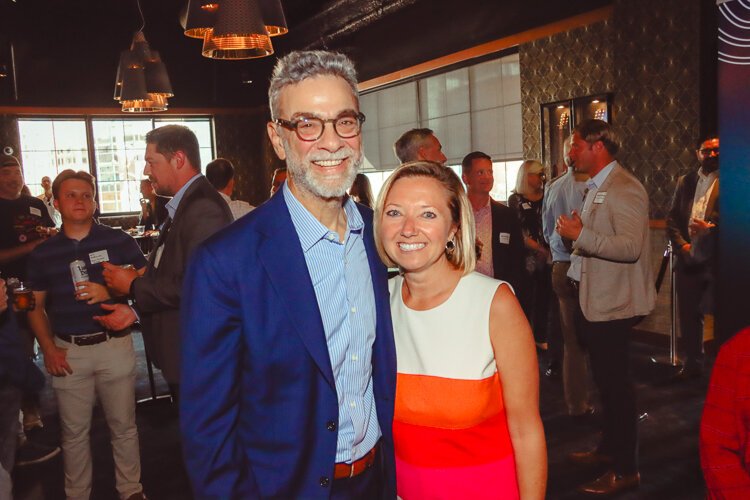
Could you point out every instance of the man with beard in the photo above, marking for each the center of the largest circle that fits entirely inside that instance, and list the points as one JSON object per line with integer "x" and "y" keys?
{"x": 287, "y": 317}
{"x": 195, "y": 212}
{"x": 695, "y": 203}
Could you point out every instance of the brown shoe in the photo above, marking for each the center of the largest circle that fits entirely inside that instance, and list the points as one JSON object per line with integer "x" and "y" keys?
{"x": 610, "y": 483}
{"x": 591, "y": 457}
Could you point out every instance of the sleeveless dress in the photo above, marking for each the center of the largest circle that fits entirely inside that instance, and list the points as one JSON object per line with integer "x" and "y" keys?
{"x": 450, "y": 429}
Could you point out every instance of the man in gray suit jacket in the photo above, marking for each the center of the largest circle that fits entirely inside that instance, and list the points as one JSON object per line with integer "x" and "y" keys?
{"x": 611, "y": 267}
{"x": 196, "y": 211}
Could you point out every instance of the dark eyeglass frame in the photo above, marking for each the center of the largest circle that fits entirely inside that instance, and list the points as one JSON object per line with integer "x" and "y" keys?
{"x": 294, "y": 125}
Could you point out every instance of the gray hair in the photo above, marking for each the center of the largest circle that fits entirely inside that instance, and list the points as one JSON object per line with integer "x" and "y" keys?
{"x": 297, "y": 66}
{"x": 407, "y": 146}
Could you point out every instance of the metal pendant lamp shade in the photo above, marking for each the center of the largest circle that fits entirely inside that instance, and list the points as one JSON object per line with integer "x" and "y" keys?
{"x": 239, "y": 32}
{"x": 142, "y": 83}
{"x": 198, "y": 18}
{"x": 273, "y": 17}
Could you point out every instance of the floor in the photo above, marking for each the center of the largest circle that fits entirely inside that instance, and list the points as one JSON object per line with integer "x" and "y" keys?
{"x": 670, "y": 467}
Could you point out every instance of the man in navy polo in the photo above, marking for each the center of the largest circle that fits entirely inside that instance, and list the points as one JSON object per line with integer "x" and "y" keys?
{"x": 85, "y": 359}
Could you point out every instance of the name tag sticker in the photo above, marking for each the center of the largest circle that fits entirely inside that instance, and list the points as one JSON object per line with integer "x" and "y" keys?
{"x": 100, "y": 256}
{"x": 504, "y": 238}
{"x": 35, "y": 211}
{"x": 599, "y": 198}
{"x": 157, "y": 259}
{"x": 526, "y": 206}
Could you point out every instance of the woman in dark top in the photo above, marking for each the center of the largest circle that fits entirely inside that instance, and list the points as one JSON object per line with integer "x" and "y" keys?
{"x": 536, "y": 291}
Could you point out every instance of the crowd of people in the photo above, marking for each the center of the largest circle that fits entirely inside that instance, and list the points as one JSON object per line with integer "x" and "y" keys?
{"x": 299, "y": 369}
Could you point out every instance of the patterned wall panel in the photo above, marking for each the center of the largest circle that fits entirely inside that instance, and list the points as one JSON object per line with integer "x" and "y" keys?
{"x": 647, "y": 55}
{"x": 242, "y": 139}
{"x": 575, "y": 63}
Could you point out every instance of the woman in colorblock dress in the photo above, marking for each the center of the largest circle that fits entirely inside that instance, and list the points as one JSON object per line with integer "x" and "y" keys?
{"x": 467, "y": 421}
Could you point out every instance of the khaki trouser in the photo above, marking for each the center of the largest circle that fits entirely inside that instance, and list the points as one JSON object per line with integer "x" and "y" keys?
{"x": 575, "y": 360}
{"x": 106, "y": 370}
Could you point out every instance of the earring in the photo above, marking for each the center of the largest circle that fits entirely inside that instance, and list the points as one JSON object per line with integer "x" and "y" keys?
{"x": 450, "y": 247}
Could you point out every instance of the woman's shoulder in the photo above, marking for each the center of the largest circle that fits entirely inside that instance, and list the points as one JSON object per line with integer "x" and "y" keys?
{"x": 478, "y": 282}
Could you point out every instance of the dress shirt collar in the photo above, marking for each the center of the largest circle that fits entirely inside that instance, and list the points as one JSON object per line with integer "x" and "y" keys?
{"x": 226, "y": 198}
{"x": 597, "y": 180}
{"x": 175, "y": 201}
{"x": 310, "y": 230}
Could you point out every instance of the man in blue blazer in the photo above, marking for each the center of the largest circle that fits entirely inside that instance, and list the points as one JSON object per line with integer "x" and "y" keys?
{"x": 289, "y": 367}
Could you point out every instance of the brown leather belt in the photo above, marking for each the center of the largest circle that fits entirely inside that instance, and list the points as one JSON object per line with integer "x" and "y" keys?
{"x": 357, "y": 467}
{"x": 91, "y": 338}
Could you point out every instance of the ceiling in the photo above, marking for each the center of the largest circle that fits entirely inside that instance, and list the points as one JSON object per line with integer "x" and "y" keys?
{"x": 67, "y": 51}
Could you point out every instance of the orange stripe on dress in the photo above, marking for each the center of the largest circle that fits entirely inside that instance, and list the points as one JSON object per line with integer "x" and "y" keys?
{"x": 430, "y": 447}
{"x": 447, "y": 403}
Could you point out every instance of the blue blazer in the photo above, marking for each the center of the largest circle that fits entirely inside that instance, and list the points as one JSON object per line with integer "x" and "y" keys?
{"x": 258, "y": 408}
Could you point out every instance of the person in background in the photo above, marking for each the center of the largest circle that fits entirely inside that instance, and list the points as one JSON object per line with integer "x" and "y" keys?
{"x": 279, "y": 176}
{"x": 18, "y": 374}
{"x": 565, "y": 194}
{"x": 419, "y": 144}
{"x": 196, "y": 211}
{"x": 48, "y": 200}
{"x": 220, "y": 173}
{"x": 24, "y": 224}
{"x": 361, "y": 191}
{"x": 498, "y": 230}
{"x": 695, "y": 201}
{"x": 725, "y": 425}
{"x": 86, "y": 361}
{"x": 457, "y": 332}
{"x": 611, "y": 268}
{"x": 535, "y": 292}
{"x": 153, "y": 208}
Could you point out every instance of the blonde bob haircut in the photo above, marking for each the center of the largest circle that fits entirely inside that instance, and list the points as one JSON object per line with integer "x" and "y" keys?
{"x": 522, "y": 180}
{"x": 464, "y": 255}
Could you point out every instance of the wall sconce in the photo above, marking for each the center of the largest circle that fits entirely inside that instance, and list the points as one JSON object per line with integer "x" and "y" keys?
{"x": 234, "y": 29}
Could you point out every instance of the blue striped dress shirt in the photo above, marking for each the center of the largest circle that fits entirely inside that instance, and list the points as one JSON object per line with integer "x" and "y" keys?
{"x": 340, "y": 274}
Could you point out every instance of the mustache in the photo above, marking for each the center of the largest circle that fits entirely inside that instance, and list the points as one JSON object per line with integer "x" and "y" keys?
{"x": 341, "y": 154}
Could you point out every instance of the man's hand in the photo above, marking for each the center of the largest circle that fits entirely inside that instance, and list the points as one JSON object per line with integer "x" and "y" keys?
{"x": 3, "y": 296}
{"x": 699, "y": 227}
{"x": 91, "y": 292}
{"x": 118, "y": 279}
{"x": 55, "y": 362}
{"x": 121, "y": 317}
{"x": 569, "y": 227}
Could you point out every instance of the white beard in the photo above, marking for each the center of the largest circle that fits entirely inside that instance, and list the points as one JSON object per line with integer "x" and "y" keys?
{"x": 303, "y": 176}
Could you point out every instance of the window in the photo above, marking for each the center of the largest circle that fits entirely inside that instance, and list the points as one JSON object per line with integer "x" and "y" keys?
{"x": 50, "y": 145}
{"x": 476, "y": 108}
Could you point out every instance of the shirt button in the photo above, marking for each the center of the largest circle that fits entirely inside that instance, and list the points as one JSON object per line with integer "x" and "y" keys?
{"x": 352, "y": 404}
{"x": 324, "y": 481}
{"x": 330, "y": 237}
{"x": 331, "y": 425}
{"x": 355, "y": 357}
{"x": 354, "y": 309}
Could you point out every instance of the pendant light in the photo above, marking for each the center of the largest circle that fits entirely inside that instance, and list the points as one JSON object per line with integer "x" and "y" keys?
{"x": 142, "y": 84}
{"x": 234, "y": 29}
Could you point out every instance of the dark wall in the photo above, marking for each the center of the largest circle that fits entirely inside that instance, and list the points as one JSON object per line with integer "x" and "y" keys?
{"x": 242, "y": 139}
{"x": 648, "y": 55}
{"x": 9, "y": 133}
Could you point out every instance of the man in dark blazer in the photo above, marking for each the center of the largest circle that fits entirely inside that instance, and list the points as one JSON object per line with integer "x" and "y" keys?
{"x": 695, "y": 200}
{"x": 196, "y": 211}
{"x": 502, "y": 252}
{"x": 287, "y": 320}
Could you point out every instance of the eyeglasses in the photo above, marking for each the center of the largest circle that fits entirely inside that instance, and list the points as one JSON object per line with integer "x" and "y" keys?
{"x": 708, "y": 151}
{"x": 310, "y": 128}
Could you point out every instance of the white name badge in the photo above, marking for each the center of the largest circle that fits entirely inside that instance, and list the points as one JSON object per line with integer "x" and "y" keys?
{"x": 100, "y": 256}
{"x": 599, "y": 198}
{"x": 504, "y": 238}
{"x": 157, "y": 259}
{"x": 526, "y": 206}
{"x": 35, "y": 211}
